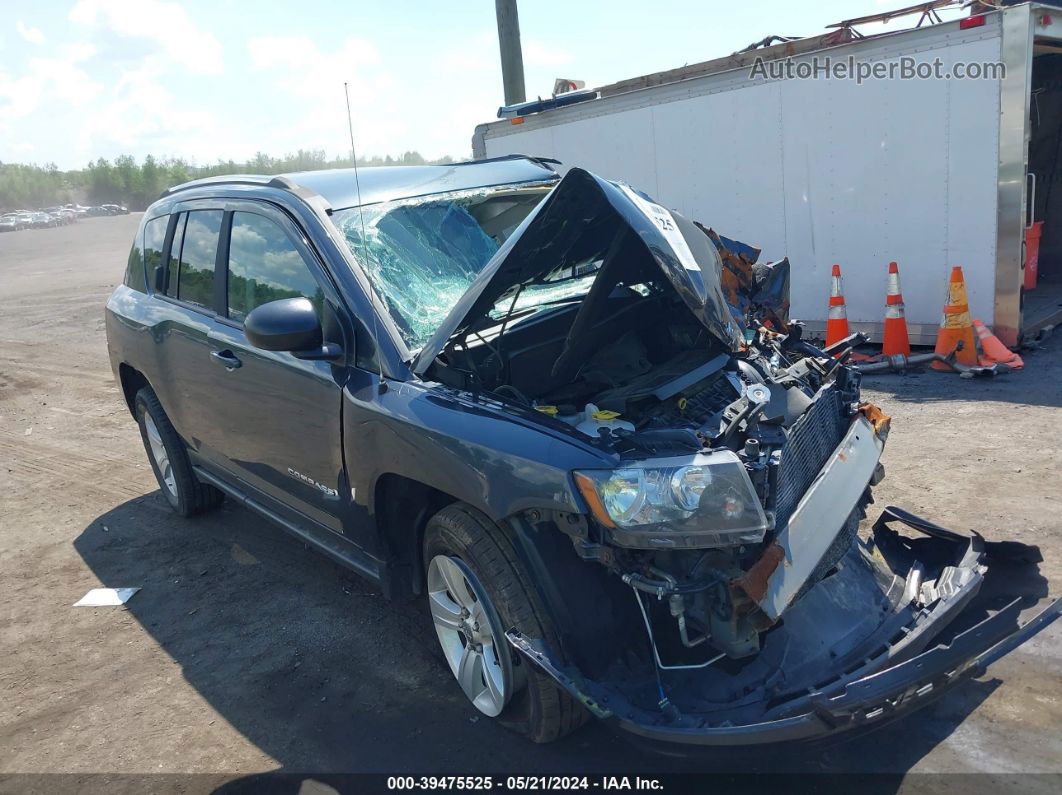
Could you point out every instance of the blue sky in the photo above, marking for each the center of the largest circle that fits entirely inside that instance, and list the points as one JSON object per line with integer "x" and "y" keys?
{"x": 210, "y": 79}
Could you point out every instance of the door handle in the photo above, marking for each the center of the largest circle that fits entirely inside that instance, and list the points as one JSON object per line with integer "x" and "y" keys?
{"x": 227, "y": 358}
{"x": 1031, "y": 210}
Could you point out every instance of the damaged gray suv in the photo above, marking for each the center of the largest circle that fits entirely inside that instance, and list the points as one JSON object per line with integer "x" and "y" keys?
{"x": 581, "y": 428}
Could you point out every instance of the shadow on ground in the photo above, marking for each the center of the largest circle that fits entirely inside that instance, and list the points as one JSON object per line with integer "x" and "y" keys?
{"x": 311, "y": 665}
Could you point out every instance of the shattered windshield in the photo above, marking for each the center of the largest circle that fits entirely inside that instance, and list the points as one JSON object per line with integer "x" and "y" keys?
{"x": 422, "y": 254}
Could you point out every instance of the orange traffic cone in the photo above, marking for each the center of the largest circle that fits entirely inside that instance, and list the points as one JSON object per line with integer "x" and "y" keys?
{"x": 995, "y": 352}
{"x": 895, "y": 341}
{"x": 836, "y": 318}
{"x": 955, "y": 326}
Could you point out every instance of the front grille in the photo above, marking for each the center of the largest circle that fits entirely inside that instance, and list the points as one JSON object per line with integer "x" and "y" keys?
{"x": 811, "y": 440}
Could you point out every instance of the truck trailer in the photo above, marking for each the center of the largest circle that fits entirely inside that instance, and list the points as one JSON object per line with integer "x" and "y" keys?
{"x": 930, "y": 172}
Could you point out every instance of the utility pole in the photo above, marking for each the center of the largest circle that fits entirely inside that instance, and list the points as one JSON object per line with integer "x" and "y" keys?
{"x": 512, "y": 57}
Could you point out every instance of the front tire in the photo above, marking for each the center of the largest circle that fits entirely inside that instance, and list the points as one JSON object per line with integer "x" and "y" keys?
{"x": 470, "y": 563}
{"x": 185, "y": 493}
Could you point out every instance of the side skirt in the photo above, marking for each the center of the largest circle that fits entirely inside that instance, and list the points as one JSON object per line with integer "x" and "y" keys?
{"x": 320, "y": 538}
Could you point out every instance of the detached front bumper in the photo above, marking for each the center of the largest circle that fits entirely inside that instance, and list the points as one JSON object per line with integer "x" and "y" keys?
{"x": 935, "y": 639}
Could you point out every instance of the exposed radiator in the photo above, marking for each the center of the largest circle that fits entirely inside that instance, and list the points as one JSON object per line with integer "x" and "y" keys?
{"x": 812, "y": 439}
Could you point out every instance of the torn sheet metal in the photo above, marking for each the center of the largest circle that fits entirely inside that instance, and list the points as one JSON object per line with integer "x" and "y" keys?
{"x": 738, "y": 281}
{"x": 880, "y": 421}
{"x": 852, "y": 651}
{"x": 759, "y": 289}
{"x": 771, "y": 299}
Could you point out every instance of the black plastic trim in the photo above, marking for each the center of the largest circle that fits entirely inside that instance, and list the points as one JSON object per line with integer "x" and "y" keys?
{"x": 884, "y": 695}
{"x": 323, "y": 539}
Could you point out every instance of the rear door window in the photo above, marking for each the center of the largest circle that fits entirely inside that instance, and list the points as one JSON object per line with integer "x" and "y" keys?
{"x": 199, "y": 249}
{"x": 264, "y": 266}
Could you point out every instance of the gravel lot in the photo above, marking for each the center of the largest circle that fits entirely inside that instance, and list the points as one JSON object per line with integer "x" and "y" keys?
{"x": 246, "y": 652}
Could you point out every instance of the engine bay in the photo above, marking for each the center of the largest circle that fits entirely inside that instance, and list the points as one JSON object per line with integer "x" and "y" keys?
{"x": 648, "y": 373}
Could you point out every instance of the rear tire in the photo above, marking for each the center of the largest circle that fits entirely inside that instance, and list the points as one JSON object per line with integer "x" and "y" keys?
{"x": 185, "y": 493}
{"x": 537, "y": 708}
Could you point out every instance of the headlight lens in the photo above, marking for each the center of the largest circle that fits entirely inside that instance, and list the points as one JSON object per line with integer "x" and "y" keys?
{"x": 624, "y": 494}
{"x": 688, "y": 484}
{"x": 706, "y": 501}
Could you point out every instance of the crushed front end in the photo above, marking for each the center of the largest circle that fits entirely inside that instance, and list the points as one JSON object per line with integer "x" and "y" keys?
{"x": 727, "y": 596}
{"x": 900, "y": 619}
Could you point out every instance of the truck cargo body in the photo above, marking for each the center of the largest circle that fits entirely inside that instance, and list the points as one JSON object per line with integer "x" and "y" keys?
{"x": 929, "y": 173}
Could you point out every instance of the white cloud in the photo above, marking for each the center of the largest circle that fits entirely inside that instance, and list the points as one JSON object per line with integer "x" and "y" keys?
{"x": 140, "y": 112}
{"x": 143, "y": 50}
{"x": 32, "y": 35}
{"x": 79, "y": 51}
{"x": 313, "y": 81}
{"x": 43, "y": 80}
{"x": 166, "y": 25}
{"x": 138, "y": 76}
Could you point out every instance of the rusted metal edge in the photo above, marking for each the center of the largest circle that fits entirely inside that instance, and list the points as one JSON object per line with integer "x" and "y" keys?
{"x": 754, "y": 581}
{"x": 877, "y": 418}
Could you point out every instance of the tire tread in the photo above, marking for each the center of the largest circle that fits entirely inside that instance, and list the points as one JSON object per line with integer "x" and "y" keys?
{"x": 194, "y": 496}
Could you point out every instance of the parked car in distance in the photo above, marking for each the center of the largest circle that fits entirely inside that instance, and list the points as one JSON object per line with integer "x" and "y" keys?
{"x": 62, "y": 214}
{"x": 42, "y": 220}
{"x": 115, "y": 209}
{"x": 541, "y": 406}
{"x": 12, "y": 222}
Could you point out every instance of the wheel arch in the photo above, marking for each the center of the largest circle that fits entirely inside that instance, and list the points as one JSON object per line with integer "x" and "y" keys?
{"x": 132, "y": 381}
{"x": 403, "y": 506}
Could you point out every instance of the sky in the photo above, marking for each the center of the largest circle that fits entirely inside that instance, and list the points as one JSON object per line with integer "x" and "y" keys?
{"x": 223, "y": 79}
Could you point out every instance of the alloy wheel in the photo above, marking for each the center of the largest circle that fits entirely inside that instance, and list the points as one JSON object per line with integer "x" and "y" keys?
{"x": 158, "y": 452}
{"x": 470, "y": 634}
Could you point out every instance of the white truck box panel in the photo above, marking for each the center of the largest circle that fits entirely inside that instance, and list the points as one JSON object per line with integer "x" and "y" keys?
{"x": 821, "y": 171}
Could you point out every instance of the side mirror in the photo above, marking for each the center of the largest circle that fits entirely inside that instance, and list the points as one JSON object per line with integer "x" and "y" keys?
{"x": 292, "y": 325}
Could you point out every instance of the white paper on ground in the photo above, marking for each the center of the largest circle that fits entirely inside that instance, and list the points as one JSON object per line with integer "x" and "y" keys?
{"x": 106, "y": 597}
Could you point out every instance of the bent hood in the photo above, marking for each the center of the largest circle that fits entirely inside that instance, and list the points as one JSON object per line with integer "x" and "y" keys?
{"x": 572, "y": 226}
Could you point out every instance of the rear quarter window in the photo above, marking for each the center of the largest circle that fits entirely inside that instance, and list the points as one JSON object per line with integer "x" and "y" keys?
{"x": 134, "y": 268}
{"x": 154, "y": 240}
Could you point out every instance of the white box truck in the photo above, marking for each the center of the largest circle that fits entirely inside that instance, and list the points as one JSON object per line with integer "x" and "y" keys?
{"x": 930, "y": 173}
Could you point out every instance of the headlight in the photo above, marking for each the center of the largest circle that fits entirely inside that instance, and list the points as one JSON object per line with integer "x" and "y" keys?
{"x": 703, "y": 501}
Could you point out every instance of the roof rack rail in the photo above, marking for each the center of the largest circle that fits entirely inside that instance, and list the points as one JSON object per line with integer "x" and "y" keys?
{"x": 231, "y": 179}
{"x": 547, "y": 162}
{"x": 280, "y": 182}
{"x": 309, "y": 196}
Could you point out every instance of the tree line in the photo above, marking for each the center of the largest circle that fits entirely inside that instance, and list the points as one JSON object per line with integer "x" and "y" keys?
{"x": 136, "y": 185}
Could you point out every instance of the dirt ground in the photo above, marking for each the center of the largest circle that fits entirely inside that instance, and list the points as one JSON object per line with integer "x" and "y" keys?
{"x": 245, "y": 652}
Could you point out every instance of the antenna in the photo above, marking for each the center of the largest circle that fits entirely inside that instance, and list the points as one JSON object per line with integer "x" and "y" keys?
{"x": 364, "y": 240}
